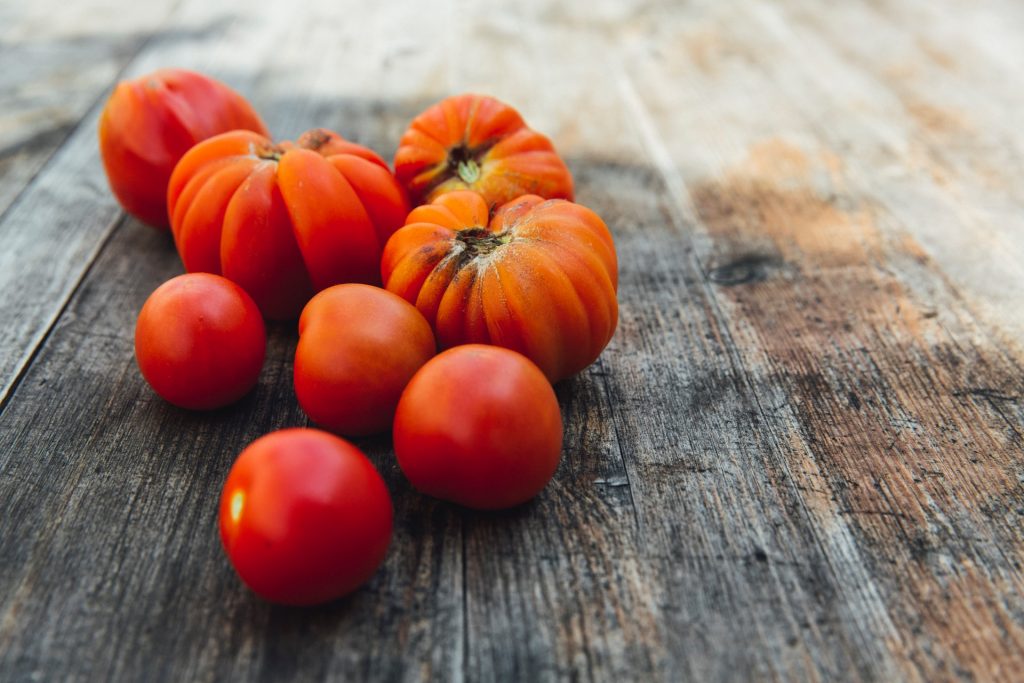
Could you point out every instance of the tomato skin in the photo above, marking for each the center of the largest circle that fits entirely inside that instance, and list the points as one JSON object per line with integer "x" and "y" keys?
{"x": 479, "y": 426}
{"x": 476, "y": 142}
{"x": 200, "y": 341}
{"x": 150, "y": 122}
{"x": 539, "y": 277}
{"x": 304, "y": 517}
{"x": 284, "y": 220}
{"x": 358, "y": 348}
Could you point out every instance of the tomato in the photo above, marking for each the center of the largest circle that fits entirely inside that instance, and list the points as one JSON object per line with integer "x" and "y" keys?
{"x": 200, "y": 341}
{"x": 358, "y": 347}
{"x": 478, "y": 143}
{"x": 284, "y": 221}
{"x": 479, "y": 426}
{"x": 539, "y": 277}
{"x": 304, "y": 517}
{"x": 150, "y": 122}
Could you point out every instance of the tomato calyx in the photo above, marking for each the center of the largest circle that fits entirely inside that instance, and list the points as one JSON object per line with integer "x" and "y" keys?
{"x": 268, "y": 152}
{"x": 464, "y": 162}
{"x": 469, "y": 171}
{"x": 480, "y": 241}
{"x": 314, "y": 139}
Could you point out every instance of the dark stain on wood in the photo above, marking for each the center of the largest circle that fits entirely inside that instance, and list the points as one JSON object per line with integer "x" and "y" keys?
{"x": 743, "y": 270}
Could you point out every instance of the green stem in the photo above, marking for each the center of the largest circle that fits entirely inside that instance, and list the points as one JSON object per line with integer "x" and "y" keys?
{"x": 469, "y": 171}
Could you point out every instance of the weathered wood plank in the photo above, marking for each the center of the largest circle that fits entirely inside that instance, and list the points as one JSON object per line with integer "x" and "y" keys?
{"x": 862, "y": 350}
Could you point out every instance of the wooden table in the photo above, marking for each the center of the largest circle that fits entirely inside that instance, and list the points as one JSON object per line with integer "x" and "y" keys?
{"x": 800, "y": 458}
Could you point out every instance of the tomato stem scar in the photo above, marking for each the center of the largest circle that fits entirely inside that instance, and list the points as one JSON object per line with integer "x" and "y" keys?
{"x": 267, "y": 152}
{"x": 481, "y": 241}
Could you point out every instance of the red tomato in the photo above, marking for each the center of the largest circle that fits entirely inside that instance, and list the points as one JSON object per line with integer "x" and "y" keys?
{"x": 480, "y": 426}
{"x": 150, "y": 122}
{"x": 358, "y": 348}
{"x": 304, "y": 517}
{"x": 284, "y": 220}
{"x": 200, "y": 341}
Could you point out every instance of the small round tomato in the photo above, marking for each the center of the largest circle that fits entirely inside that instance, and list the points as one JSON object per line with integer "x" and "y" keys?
{"x": 358, "y": 348}
{"x": 479, "y": 426}
{"x": 150, "y": 122}
{"x": 200, "y": 341}
{"x": 304, "y": 517}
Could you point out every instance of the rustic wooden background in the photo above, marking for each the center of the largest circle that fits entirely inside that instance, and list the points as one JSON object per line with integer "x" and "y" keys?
{"x": 799, "y": 459}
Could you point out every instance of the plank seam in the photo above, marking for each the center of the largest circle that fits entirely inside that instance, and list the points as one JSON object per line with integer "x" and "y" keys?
{"x": 618, "y": 441}
{"x": 36, "y": 348}
{"x": 465, "y": 604}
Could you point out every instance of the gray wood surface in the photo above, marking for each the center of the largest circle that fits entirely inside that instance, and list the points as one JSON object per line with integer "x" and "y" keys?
{"x": 800, "y": 458}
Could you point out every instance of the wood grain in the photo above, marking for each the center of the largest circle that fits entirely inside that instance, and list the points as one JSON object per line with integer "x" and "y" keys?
{"x": 872, "y": 350}
{"x": 800, "y": 458}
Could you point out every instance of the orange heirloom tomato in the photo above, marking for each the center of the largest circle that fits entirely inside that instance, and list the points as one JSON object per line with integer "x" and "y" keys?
{"x": 287, "y": 220}
{"x": 478, "y": 143}
{"x": 150, "y": 122}
{"x": 539, "y": 277}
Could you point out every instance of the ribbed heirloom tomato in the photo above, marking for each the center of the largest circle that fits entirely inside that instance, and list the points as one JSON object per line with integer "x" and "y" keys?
{"x": 358, "y": 347}
{"x": 304, "y": 517}
{"x": 480, "y": 426}
{"x": 475, "y": 142}
{"x": 200, "y": 341}
{"x": 150, "y": 122}
{"x": 287, "y": 220}
{"x": 538, "y": 277}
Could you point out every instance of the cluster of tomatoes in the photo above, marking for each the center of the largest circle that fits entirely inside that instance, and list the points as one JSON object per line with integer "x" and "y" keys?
{"x": 472, "y": 246}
